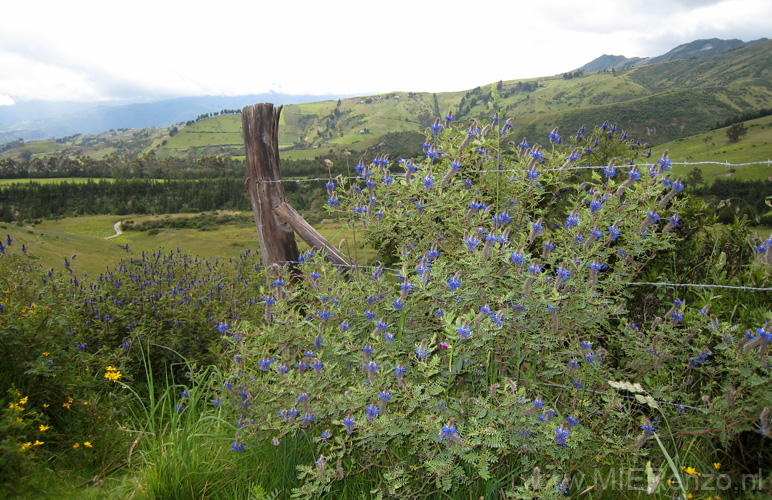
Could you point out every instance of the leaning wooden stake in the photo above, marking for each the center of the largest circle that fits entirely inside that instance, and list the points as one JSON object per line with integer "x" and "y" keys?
{"x": 276, "y": 220}
{"x": 310, "y": 235}
{"x": 266, "y": 192}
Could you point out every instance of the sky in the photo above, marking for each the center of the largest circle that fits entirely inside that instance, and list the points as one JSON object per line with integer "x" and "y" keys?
{"x": 83, "y": 50}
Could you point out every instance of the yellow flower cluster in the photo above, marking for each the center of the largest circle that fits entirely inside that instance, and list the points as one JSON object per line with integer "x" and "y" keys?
{"x": 68, "y": 403}
{"x": 18, "y": 406}
{"x": 691, "y": 471}
{"x": 112, "y": 374}
{"x": 26, "y": 445}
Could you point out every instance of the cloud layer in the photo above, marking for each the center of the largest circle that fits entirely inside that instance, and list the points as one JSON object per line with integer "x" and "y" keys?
{"x": 87, "y": 50}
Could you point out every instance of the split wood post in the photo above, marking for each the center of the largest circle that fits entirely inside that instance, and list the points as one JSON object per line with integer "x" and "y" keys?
{"x": 275, "y": 219}
{"x": 263, "y": 182}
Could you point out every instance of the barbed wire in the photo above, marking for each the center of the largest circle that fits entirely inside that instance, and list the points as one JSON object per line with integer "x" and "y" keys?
{"x": 634, "y": 283}
{"x": 704, "y": 285}
{"x": 509, "y": 170}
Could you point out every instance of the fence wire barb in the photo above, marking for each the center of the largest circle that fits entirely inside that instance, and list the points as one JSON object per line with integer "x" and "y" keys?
{"x": 705, "y": 285}
{"x": 635, "y": 283}
{"x": 509, "y": 170}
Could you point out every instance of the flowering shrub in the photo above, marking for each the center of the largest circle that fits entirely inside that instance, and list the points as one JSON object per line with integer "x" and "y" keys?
{"x": 67, "y": 342}
{"x": 499, "y": 343}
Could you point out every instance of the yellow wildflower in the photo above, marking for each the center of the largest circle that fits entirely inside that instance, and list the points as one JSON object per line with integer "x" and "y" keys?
{"x": 46, "y": 353}
{"x": 45, "y": 405}
{"x": 37, "y": 443}
{"x": 717, "y": 465}
{"x": 23, "y": 401}
{"x": 112, "y": 374}
{"x": 87, "y": 444}
{"x": 76, "y": 445}
{"x": 24, "y": 446}
{"x": 44, "y": 428}
{"x": 85, "y": 403}
{"x": 691, "y": 471}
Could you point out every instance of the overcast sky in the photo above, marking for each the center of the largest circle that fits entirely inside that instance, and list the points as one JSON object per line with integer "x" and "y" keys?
{"x": 113, "y": 50}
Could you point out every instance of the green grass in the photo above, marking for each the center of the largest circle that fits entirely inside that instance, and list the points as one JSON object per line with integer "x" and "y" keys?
{"x": 754, "y": 146}
{"x": 51, "y": 241}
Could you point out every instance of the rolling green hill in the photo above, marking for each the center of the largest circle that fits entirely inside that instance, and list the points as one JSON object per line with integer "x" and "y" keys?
{"x": 714, "y": 146}
{"x": 656, "y": 102}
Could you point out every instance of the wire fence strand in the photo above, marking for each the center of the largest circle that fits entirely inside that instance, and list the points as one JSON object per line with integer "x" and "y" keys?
{"x": 510, "y": 170}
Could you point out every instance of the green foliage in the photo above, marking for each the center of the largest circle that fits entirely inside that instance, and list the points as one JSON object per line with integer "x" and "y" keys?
{"x": 735, "y": 131}
{"x": 491, "y": 351}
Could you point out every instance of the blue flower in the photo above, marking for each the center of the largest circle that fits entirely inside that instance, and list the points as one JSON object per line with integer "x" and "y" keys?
{"x": 369, "y": 314}
{"x": 317, "y": 365}
{"x": 238, "y": 447}
{"x": 384, "y": 395}
{"x": 436, "y": 127}
{"x": 448, "y": 432}
{"x": 561, "y": 434}
{"x": 613, "y": 232}
{"x": 399, "y": 370}
{"x": 428, "y": 181}
{"x": 422, "y": 352}
{"x": 349, "y": 422}
{"x": 571, "y": 421}
{"x": 464, "y": 331}
{"x": 497, "y": 319}
{"x": 572, "y": 219}
{"x": 534, "y": 268}
{"x": 372, "y": 412}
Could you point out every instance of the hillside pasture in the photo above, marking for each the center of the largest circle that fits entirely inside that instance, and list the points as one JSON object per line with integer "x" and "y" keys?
{"x": 50, "y": 241}
{"x": 755, "y": 146}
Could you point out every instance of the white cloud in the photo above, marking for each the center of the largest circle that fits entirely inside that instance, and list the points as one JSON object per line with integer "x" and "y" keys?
{"x": 6, "y": 100}
{"x": 85, "y": 49}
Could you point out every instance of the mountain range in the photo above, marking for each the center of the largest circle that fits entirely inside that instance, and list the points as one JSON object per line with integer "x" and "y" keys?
{"x": 39, "y": 120}
{"x": 657, "y": 102}
{"x": 697, "y": 49}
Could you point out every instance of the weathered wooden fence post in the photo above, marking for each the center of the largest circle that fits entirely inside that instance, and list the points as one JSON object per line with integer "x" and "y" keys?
{"x": 275, "y": 219}
{"x": 263, "y": 182}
